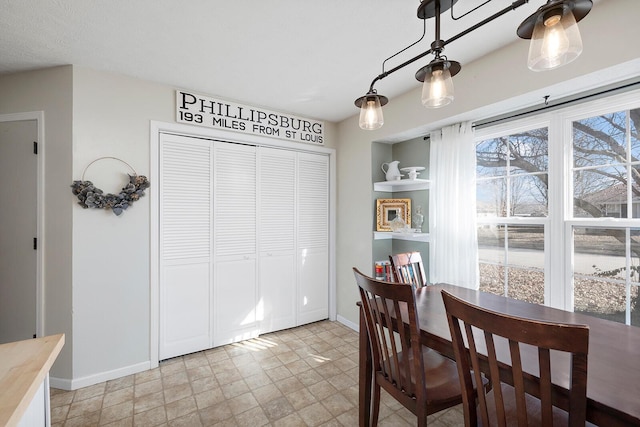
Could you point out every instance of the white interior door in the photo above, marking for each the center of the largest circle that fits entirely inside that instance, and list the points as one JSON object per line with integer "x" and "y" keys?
{"x": 185, "y": 245}
{"x": 18, "y": 228}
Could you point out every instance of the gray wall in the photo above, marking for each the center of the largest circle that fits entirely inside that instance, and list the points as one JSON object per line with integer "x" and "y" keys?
{"x": 51, "y": 91}
{"x": 111, "y": 253}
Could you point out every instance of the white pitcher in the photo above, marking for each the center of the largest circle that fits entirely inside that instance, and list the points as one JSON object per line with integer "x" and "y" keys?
{"x": 392, "y": 173}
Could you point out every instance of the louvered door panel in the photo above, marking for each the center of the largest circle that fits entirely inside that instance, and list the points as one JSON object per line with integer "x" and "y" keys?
{"x": 277, "y": 231}
{"x": 185, "y": 245}
{"x": 235, "y": 285}
{"x": 277, "y": 199}
{"x": 313, "y": 238}
{"x": 186, "y": 200}
{"x": 313, "y": 200}
{"x": 235, "y": 199}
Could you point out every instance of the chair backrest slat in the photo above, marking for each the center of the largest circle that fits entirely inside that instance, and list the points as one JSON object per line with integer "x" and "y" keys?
{"x": 494, "y": 372}
{"x": 504, "y": 337}
{"x": 544, "y": 362}
{"x": 408, "y": 268}
{"x": 518, "y": 383}
{"x": 393, "y": 345}
{"x": 578, "y": 411}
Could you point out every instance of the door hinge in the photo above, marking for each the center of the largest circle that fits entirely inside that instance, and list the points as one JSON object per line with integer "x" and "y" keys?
{"x": 35, "y": 243}
{"x": 35, "y": 147}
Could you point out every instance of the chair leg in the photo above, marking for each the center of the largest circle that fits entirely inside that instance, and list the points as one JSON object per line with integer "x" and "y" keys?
{"x": 375, "y": 404}
{"x": 422, "y": 417}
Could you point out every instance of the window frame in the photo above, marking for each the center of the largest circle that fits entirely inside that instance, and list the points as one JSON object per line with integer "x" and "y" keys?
{"x": 506, "y": 129}
{"x": 560, "y": 222}
{"x": 612, "y": 104}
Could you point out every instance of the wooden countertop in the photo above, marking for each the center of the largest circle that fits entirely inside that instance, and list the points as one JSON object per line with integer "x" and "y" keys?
{"x": 23, "y": 367}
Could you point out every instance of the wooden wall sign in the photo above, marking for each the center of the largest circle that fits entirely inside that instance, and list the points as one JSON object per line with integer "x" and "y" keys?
{"x": 217, "y": 113}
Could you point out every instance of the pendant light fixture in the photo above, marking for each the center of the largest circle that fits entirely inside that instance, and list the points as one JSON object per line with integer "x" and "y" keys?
{"x": 553, "y": 30}
{"x": 371, "y": 110}
{"x": 437, "y": 87}
{"x": 555, "y": 41}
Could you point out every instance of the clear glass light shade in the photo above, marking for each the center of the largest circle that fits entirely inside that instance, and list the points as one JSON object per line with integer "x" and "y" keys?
{"x": 437, "y": 89}
{"x": 371, "y": 114}
{"x": 555, "y": 42}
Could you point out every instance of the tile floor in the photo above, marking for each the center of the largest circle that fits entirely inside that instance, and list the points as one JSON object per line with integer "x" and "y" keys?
{"x": 305, "y": 376}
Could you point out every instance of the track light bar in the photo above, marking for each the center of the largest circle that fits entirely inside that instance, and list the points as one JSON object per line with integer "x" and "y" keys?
{"x": 555, "y": 41}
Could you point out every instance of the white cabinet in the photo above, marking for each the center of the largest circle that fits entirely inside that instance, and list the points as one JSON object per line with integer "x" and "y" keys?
{"x": 38, "y": 413}
{"x": 24, "y": 382}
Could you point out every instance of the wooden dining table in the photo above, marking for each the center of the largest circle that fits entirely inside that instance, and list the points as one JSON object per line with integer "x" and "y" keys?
{"x": 613, "y": 383}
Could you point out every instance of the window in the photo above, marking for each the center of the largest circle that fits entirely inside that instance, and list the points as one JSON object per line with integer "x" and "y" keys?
{"x": 558, "y": 208}
{"x": 606, "y": 179}
{"x": 512, "y": 206}
{"x": 606, "y": 273}
{"x": 512, "y": 174}
{"x": 605, "y": 154}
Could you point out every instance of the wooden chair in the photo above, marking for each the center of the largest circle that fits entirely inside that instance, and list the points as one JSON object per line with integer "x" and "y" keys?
{"x": 419, "y": 378}
{"x": 408, "y": 268}
{"x": 501, "y": 334}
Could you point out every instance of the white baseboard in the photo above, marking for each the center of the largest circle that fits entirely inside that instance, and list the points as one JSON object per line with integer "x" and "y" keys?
{"x": 61, "y": 383}
{"x": 348, "y": 323}
{"x": 74, "y": 384}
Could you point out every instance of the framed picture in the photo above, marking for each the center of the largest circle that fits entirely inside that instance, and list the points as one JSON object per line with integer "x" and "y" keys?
{"x": 388, "y": 209}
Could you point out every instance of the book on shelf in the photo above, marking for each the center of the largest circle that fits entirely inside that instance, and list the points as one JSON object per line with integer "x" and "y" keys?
{"x": 383, "y": 271}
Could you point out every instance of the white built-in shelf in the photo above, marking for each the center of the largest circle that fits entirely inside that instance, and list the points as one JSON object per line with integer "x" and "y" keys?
{"x": 402, "y": 185}
{"x": 416, "y": 237}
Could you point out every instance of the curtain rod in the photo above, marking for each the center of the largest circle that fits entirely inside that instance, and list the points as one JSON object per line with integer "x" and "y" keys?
{"x": 597, "y": 93}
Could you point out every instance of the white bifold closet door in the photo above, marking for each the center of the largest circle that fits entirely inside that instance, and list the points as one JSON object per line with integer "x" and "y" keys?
{"x": 244, "y": 241}
{"x": 185, "y": 245}
{"x": 313, "y": 237}
{"x": 277, "y": 231}
{"x": 235, "y": 293}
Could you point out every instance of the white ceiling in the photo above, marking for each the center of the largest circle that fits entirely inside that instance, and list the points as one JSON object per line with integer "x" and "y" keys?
{"x": 310, "y": 58}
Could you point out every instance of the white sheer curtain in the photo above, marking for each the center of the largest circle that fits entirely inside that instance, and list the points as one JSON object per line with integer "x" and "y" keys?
{"x": 453, "y": 251}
